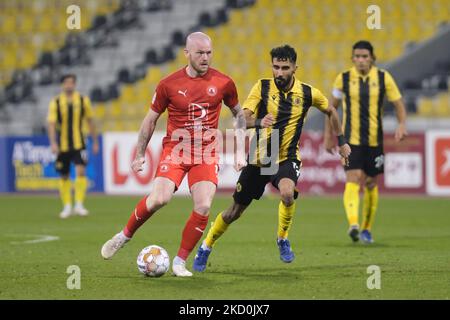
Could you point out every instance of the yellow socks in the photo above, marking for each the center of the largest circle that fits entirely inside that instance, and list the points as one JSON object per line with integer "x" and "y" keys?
{"x": 80, "y": 189}
{"x": 65, "y": 191}
{"x": 370, "y": 205}
{"x": 351, "y": 202}
{"x": 285, "y": 215}
{"x": 218, "y": 228}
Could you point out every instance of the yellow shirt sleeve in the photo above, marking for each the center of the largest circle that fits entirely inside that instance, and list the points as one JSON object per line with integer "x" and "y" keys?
{"x": 319, "y": 100}
{"x": 89, "y": 114}
{"x": 392, "y": 92}
{"x": 253, "y": 98}
{"x": 338, "y": 82}
{"x": 51, "y": 116}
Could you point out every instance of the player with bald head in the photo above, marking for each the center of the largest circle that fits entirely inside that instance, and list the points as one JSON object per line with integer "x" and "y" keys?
{"x": 193, "y": 97}
{"x": 198, "y": 51}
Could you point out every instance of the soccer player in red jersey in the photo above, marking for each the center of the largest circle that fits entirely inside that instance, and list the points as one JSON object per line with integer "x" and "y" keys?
{"x": 193, "y": 98}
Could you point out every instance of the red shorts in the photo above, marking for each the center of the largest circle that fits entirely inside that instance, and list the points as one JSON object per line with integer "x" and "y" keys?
{"x": 195, "y": 172}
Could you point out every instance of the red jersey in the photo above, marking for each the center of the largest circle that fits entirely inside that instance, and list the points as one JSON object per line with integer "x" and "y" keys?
{"x": 193, "y": 103}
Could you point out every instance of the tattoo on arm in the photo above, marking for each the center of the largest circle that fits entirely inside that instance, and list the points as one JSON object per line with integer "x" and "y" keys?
{"x": 239, "y": 118}
{"x": 145, "y": 133}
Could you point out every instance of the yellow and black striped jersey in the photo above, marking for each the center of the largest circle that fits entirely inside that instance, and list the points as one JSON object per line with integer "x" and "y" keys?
{"x": 362, "y": 98}
{"x": 289, "y": 110}
{"x": 69, "y": 117}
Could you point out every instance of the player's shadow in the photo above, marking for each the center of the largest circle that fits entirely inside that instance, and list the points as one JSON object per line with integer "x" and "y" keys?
{"x": 360, "y": 245}
{"x": 288, "y": 274}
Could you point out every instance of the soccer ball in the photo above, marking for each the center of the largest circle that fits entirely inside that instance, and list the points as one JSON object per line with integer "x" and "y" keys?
{"x": 153, "y": 261}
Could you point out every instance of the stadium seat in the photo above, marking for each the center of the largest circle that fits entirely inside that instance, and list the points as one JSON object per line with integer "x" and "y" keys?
{"x": 43, "y": 20}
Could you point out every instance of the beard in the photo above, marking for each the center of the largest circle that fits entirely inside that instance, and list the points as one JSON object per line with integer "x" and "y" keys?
{"x": 282, "y": 83}
{"x": 199, "y": 67}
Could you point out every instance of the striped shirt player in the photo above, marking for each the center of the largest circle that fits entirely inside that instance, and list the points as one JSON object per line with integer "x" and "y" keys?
{"x": 67, "y": 114}
{"x": 362, "y": 90}
{"x": 279, "y": 106}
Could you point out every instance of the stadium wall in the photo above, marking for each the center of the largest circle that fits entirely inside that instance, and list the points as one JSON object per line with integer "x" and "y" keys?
{"x": 419, "y": 165}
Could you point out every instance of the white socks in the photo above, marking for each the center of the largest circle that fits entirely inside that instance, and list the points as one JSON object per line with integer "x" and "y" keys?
{"x": 205, "y": 247}
{"x": 178, "y": 260}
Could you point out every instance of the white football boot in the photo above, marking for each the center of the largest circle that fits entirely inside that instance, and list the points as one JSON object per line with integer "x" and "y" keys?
{"x": 113, "y": 245}
{"x": 179, "y": 268}
{"x": 80, "y": 210}
{"x": 66, "y": 212}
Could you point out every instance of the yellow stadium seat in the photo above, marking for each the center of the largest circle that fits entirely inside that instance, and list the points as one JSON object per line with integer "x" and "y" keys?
{"x": 100, "y": 111}
{"x": 128, "y": 94}
{"x": 425, "y": 107}
{"x": 8, "y": 24}
{"x": 43, "y": 24}
{"x": 442, "y": 106}
{"x": 26, "y": 59}
{"x": 115, "y": 109}
{"x": 43, "y": 20}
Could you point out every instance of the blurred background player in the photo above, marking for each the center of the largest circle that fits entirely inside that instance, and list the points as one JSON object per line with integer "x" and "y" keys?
{"x": 193, "y": 97}
{"x": 362, "y": 90}
{"x": 279, "y": 103}
{"x": 66, "y": 115}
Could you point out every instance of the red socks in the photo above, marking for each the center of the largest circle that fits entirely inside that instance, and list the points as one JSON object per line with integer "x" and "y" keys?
{"x": 139, "y": 215}
{"x": 192, "y": 233}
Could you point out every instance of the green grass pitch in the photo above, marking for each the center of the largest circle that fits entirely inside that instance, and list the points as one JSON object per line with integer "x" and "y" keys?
{"x": 412, "y": 250}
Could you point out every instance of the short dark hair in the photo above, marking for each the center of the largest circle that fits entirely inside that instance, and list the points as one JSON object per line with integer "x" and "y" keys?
{"x": 285, "y": 52}
{"x": 363, "y": 44}
{"x": 68, "y": 75}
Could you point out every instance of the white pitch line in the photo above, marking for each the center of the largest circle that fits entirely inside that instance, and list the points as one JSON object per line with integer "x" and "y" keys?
{"x": 39, "y": 238}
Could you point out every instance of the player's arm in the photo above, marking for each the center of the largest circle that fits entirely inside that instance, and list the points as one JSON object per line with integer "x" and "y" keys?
{"x": 252, "y": 122}
{"x": 91, "y": 124}
{"x": 145, "y": 133}
{"x": 344, "y": 148}
{"x": 239, "y": 122}
{"x": 93, "y": 134}
{"x": 51, "y": 127}
{"x": 394, "y": 96}
{"x": 240, "y": 126}
{"x": 335, "y": 100}
{"x": 400, "y": 110}
{"x": 329, "y": 141}
{"x": 251, "y": 106}
{"x": 321, "y": 103}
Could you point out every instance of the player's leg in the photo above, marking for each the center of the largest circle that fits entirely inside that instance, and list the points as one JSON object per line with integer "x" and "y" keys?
{"x": 370, "y": 205}
{"x": 220, "y": 225}
{"x": 161, "y": 194}
{"x": 62, "y": 165}
{"x": 163, "y": 189}
{"x": 374, "y": 166}
{"x": 351, "y": 201}
{"x": 168, "y": 178}
{"x": 250, "y": 186}
{"x": 354, "y": 175}
{"x": 202, "y": 196}
{"x": 81, "y": 183}
{"x": 286, "y": 211}
{"x": 285, "y": 181}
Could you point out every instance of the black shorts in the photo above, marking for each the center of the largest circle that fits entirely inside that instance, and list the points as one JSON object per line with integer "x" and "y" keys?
{"x": 64, "y": 159}
{"x": 368, "y": 159}
{"x": 251, "y": 182}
